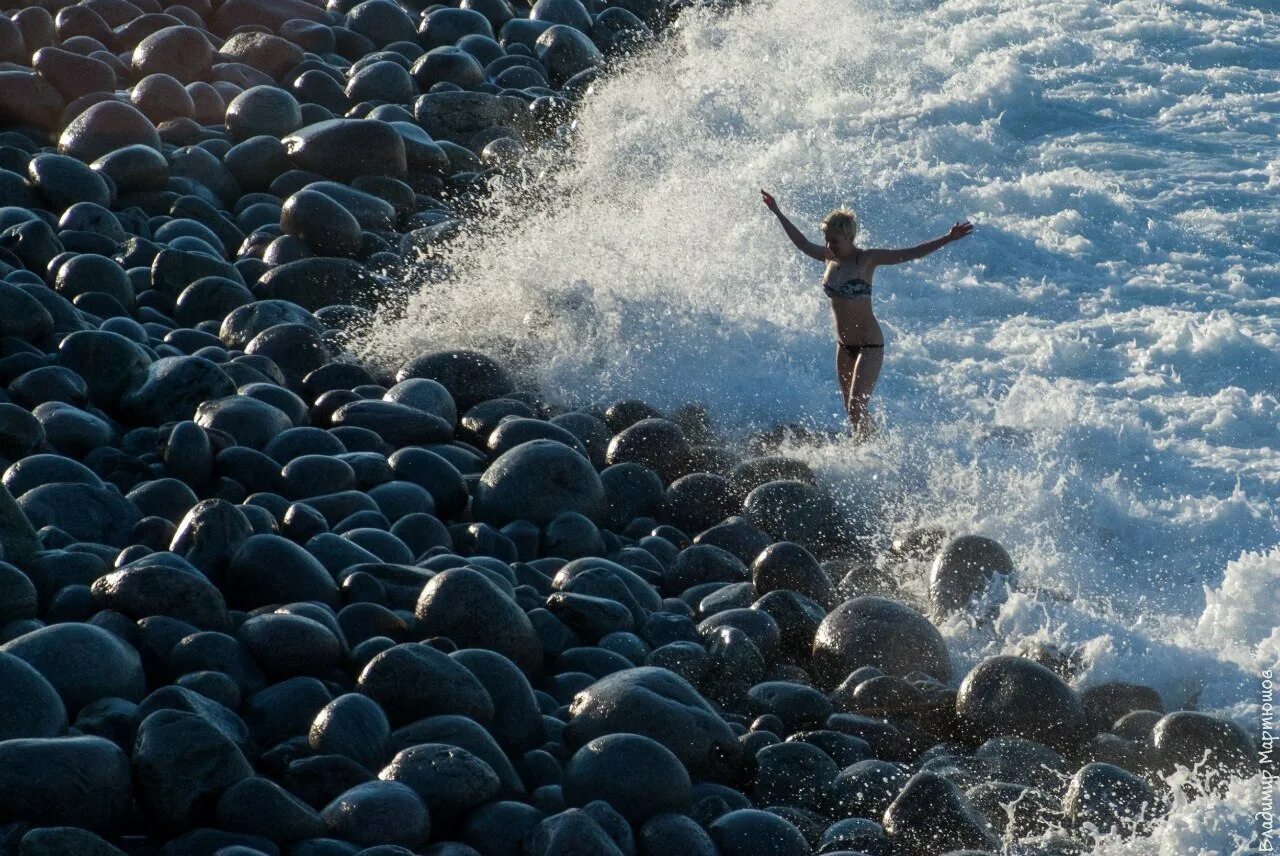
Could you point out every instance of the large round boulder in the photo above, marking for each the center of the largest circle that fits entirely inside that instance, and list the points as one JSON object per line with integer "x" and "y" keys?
{"x": 517, "y": 722}
{"x": 182, "y": 52}
{"x": 1017, "y": 697}
{"x": 464, "y": 606}
{"x": 174, "y": 387}
{"x": 182, "y": 764}
{"x": 789, "y": 567}
{"x": 659, "y": 704}
{"x": 1106, "y": 799}
{"x": 354, "y": 726}
{"x": 450, "y": 780}
{"x": 99, "y": 515}
{"x": 82, "y": 662}
{"x": 1191, "y": 739}
{"x": 537, "y": 481}
{"x": 565, "y": 51}
{"x": 268, "y": 569}
{"x": 250, "y": 422}
{"x": 378, "y": 812}
{"x": 263, "y": 110}
{"x": 105, "y": 127}
{"x": 412, "y": 681}
{"x": 397, "y": 424}
{"x": 876, "y": 631}
{"x": 345, "y": 149}
{"x": 326, "y": 227}
{"x": 963, "y": 569}
{"x": 146, "y": 588}
{"x": 655, "y": 782}
{"x": 29, "y": 705}
{"x": 795, "y": 511}
{"x": 65, "y": 781}
{"x": 755, "y": 832}
{"x": 931, "y": 815}
{"x": 658, "y": 444}
{"x": 468, "y": 376}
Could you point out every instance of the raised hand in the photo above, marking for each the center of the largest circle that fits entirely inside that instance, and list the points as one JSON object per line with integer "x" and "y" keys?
{"x": 960, "y": 230}
{"x": 769, "y": 201}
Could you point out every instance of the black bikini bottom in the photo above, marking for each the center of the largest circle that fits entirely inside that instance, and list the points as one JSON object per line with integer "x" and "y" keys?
{"x": 854, "y": 350}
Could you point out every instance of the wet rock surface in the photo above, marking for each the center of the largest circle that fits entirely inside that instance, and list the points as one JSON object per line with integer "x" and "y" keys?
{"x": 259, "y": 596}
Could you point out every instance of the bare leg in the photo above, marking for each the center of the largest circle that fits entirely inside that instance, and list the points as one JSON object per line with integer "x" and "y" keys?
{"x": 844, "y": 371}
{"x": 865, "y": 374}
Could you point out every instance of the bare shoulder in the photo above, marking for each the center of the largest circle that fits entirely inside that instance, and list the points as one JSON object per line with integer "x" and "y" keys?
{"x": 873, "y": 256}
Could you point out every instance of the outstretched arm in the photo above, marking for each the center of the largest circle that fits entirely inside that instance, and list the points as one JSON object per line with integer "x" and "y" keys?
{"x": 809, "y": 248}
{"x": 919, "y": 251}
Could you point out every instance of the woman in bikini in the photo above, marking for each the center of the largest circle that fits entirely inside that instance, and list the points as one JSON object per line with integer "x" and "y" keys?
{"x": 859, "y": 342}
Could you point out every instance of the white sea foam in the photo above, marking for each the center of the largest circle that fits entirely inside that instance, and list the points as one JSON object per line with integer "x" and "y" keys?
{"x": 1093, "y": 378}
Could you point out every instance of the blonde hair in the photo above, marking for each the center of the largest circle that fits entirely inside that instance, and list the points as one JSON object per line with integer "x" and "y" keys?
{"x": 841, "y": 222}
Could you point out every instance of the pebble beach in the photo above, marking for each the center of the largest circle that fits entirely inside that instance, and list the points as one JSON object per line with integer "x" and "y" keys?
{"x": 310, "y": 545}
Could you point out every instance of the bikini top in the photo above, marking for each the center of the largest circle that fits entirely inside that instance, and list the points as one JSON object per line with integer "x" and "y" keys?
{"x": 856, "y": 287}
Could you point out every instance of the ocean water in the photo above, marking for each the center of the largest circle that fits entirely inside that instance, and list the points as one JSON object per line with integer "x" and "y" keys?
{"x": 1092, "y": 378}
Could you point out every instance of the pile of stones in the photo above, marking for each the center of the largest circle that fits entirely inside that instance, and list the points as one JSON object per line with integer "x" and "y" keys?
{"x": 257, "y": 597}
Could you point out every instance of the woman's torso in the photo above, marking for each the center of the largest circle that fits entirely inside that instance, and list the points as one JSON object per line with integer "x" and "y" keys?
{"x": 855, "y": 322}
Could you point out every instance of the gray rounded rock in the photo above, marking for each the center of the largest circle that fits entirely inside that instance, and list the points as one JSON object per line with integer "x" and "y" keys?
{"x": 789, "y": 567}
{"x": 150, "y": 588}
{"x": 60, "y": 840}
{"x": 426, "y": 396}
{"x": 566, "y": 51}
{"x": 174, "y": 387}
{"x": 327, "y": 227}
{"x": 268, "y": 569}
{"x": 345, "y": 149}
{"x": 469, "y": 377}
{"x": 182, "y": 764}
{"x": 354, "y": 726}
{"x": 105, "y": 127}
{"x": 263, "y": 110}
{"x": 517, "y": 723}
{"x": 29, "y": 705}
{"x": 109, "y": 363}
{"x": 1192, "y": 739}
{"x": 397, "y": 424}
{"x": 1109, "y": 799}
{"x": 412, "y": 681}
{"x": 794, "y": 511}
{"x": 464, "y": 606}
{"x": 251, "y": 422}
{"x": 136, "y": 167}
{"x": 379, "y": 813}
{"x": 65, "y": 781}
{"x": 659, "y": 704}
{"x": 17, "y": 595}
{"x": 286, "y": 646}
{"x": 21, "y": 315}
{"x": 258, "y": 806}
{"x": 98, "y": 515}
{"x": 242, "y": 325}
{"x": 536, "y": 481}
{"x": 876, "y": 631}
{"x": 1016, "y": 697}
{"x": 182, "y": 52}
{"x": 655, "y": 781}
{"x": 931, "y": 815}
{"x": 450, "y": 780}
{"x": 82, "y": 662}
{"x": 753, "y": 832}
{"x": 963, "y": 569}
{"x": 20, "y": 432}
